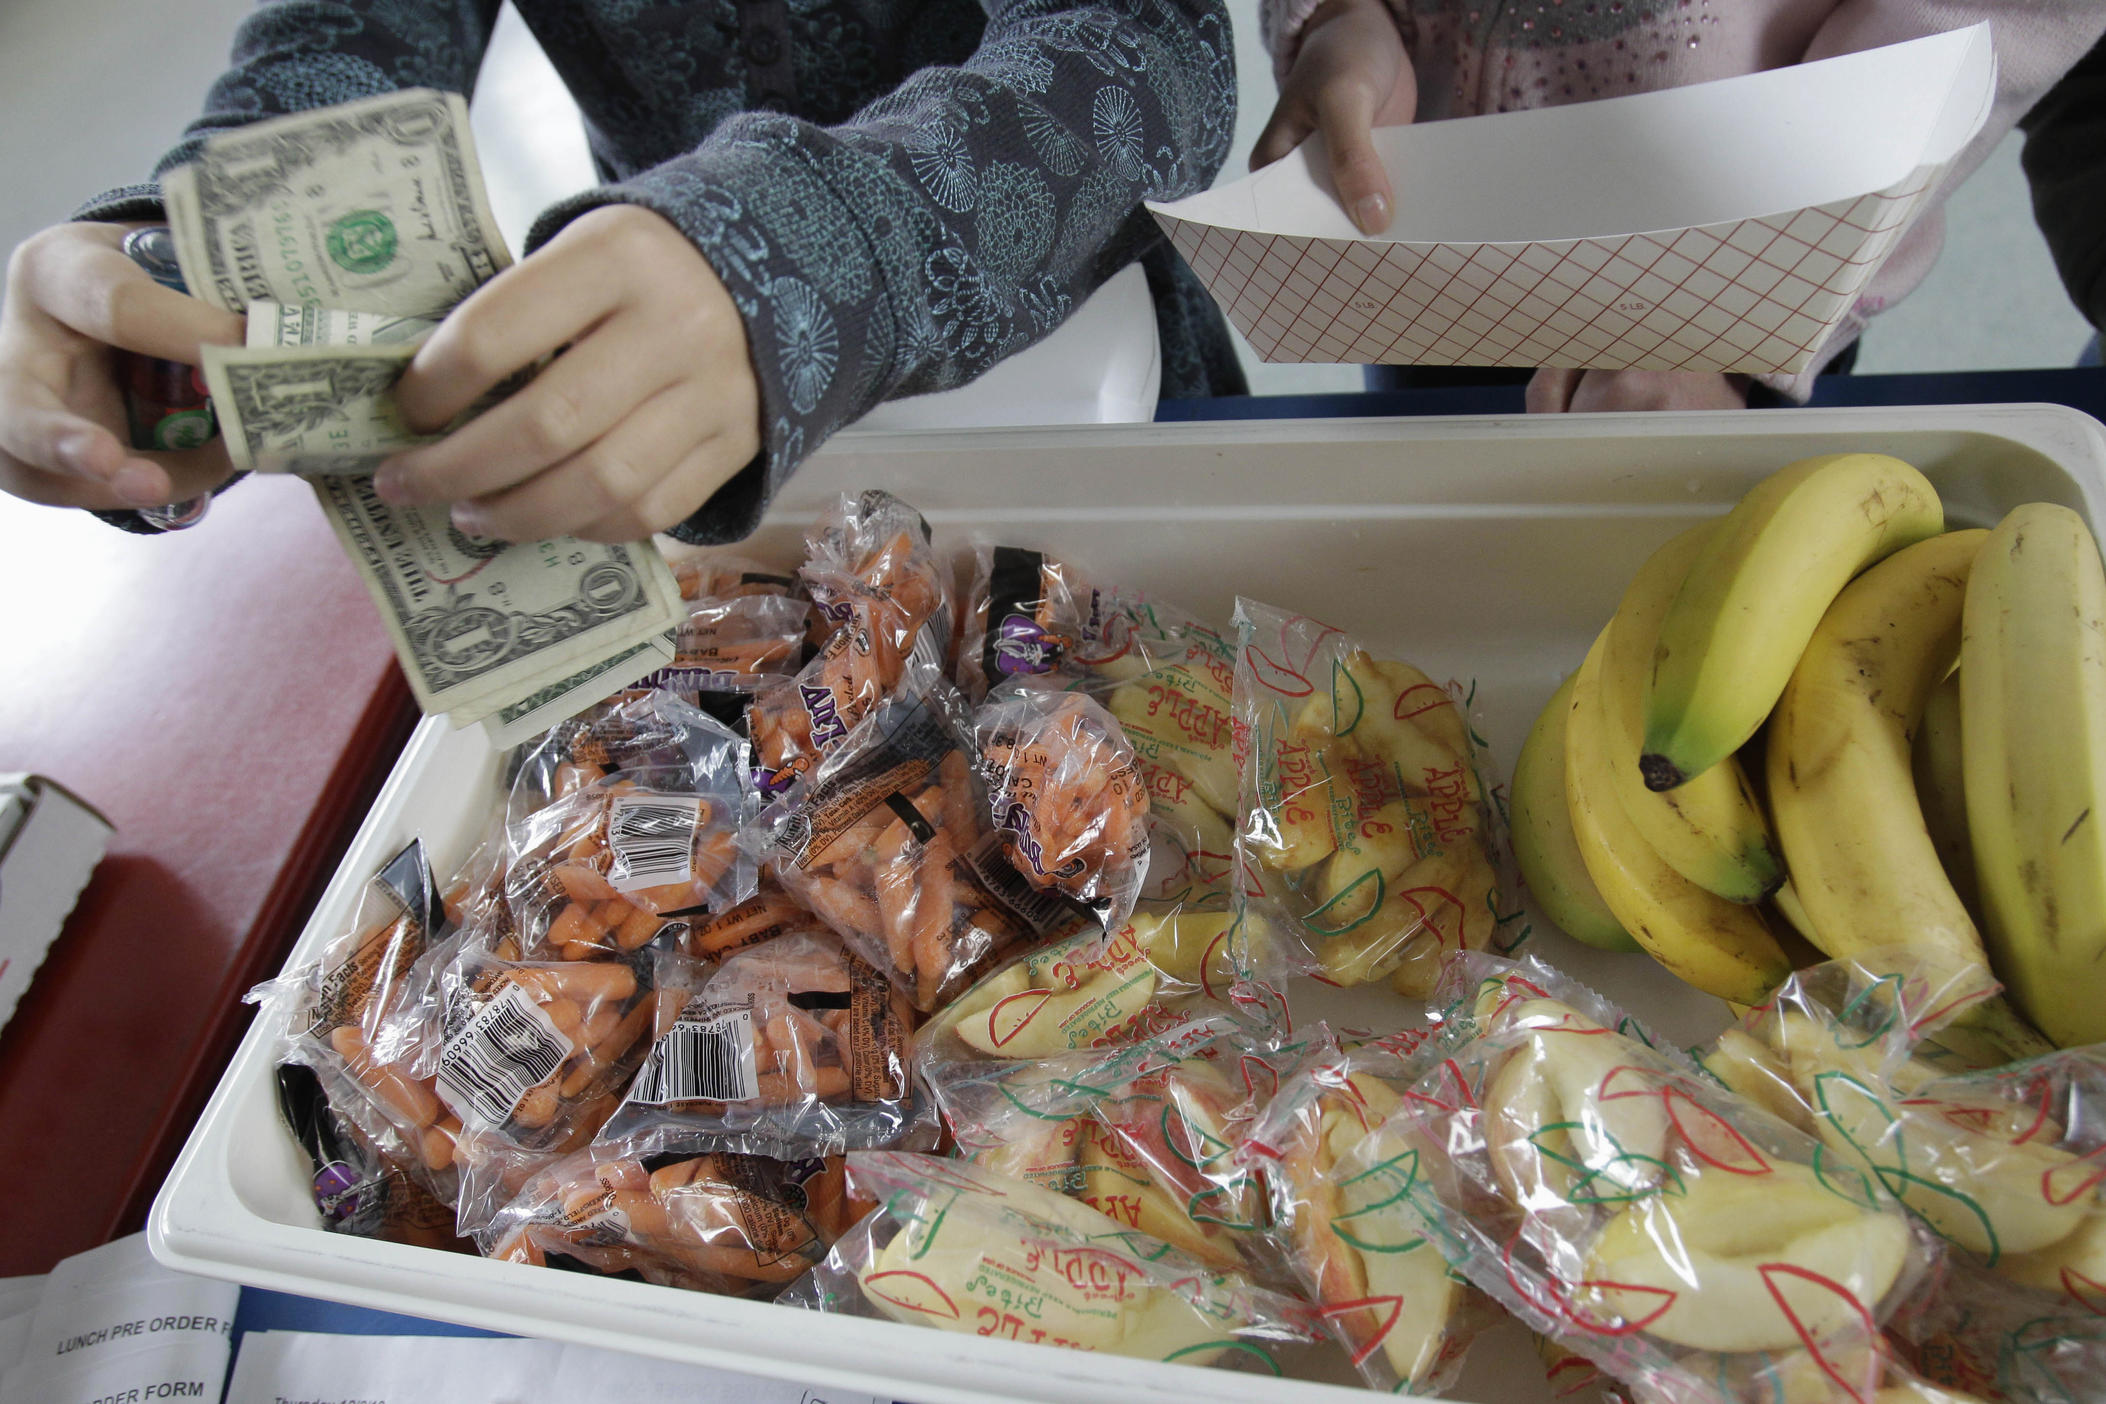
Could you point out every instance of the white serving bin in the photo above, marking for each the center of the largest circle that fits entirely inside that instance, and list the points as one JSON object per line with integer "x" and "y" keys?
{"x": 1489, "y": 548}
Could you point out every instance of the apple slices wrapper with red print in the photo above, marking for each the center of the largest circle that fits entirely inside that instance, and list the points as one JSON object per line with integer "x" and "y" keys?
{"x": 1611, "y": 1196}
{"x": 958, "y": 1247}
{"x": 1363, "y": 828}
{"x": 1406, "y": 1317}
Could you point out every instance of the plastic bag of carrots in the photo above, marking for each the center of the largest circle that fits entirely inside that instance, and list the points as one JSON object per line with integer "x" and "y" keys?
{"x": 1065, "y": 796}
{"x": 873, "y": 576}
{"x": 792, "y": 1048}
{"x": 737, "y": 1225}
{"x": 355, "y": 1016}
{"x": 887, "y": 840}
{"x": 641, "y": 833}
{"x": 1027, "y": 616}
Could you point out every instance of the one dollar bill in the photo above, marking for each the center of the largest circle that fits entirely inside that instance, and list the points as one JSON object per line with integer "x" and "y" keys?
{"x": 518, "y": 630}
{"x": 376, "y": 205}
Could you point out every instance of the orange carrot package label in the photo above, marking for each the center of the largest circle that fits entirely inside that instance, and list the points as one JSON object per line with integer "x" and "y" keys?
{"x": 875, "y": 580}
{"x": 791, "y": 1049}
{"x": 888, "y": 841}
{"x": 1365, "y": 829}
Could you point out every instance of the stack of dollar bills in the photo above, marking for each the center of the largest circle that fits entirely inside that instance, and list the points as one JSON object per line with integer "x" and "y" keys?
{"x": 345, "y": 234}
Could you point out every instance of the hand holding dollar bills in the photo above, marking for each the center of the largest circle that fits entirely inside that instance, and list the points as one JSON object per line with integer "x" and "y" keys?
{"x": 345, "y": 234}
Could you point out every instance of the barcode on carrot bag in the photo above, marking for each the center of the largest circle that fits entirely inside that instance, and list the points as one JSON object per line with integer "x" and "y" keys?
{"x": 509, "y": 1047}
{"x": 652, "y": 838}
{"x": 707, "y": 1056}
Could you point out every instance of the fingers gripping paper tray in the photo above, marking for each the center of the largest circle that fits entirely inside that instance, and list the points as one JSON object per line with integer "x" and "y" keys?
{"x": 1724, "y": 226}
{"x": 1485, "y": 550}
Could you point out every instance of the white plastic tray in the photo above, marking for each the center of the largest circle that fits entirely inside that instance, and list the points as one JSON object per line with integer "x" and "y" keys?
{"x": 1490, "y": 548}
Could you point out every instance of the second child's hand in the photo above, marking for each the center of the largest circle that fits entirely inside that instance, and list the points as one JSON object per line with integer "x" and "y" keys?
{"x": 1349, "y": 76}
{"x": 650, "y": 407}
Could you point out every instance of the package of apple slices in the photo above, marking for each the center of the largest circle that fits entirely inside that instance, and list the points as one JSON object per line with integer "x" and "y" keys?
{"x": 1026, "y": 615}
{"x": 1610, "y": 1195}
{"x": 2004, "y": 1164}
{"x": 961, "y": 1248}
{"x": 888, "y": 841}
{"x": 634, "y": 846}
{"x": 792, "y": 1049}
{"x": 1168, "y": 966}
{"x": 1406, "y": 1317}
{"x": 1063, "y": 793}
{"x": 1974, "y": 1336}
{"x": 736, "y": 1225}
{"x": 1147, "y": 1134}
{"x": 1364, "y": 825}
{"x": 1167, "y": 678}
{"x": 874, "y": 578}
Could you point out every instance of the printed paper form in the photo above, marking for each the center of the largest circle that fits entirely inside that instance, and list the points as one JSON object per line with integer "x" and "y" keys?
{"x": 298, "y": 1367}
{"x": 1719, "y": 226}
{"x": 112, "y": 1326}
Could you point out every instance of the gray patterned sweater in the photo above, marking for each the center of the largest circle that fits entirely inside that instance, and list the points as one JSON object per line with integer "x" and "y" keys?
{"x": 898, "y": 193}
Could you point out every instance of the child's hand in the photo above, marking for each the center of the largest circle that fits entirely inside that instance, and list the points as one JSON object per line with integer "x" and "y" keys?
{"x": 1350, "y": 76}
{"x": 1554, "y": 391}
{"x": 72, "y": 295}
{"x": 650, "y": 408}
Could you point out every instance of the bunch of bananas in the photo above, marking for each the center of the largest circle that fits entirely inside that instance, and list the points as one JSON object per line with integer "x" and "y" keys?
{"x": 1825, "y": 714}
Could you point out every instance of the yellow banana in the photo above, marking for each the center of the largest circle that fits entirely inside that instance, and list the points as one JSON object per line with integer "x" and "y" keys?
{"x": 1717, "y": 946}
{"x": 1941, "y": 786}
{"x": 1709, "y": 829}
{"x": 2033, "y": 742}
{"x": 1740, "y": 621}
{"x": 1840, "y": 784}
{"x": 1543, "y": 843}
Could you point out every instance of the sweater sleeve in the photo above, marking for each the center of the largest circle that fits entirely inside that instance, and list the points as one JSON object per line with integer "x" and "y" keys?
{"x": 2036, "y": 42}
{"x": 295, "y": 55}
{"x": 947, "y": 225}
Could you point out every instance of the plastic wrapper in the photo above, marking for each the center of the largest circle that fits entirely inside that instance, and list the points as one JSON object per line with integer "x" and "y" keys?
{"x": 887, "y": 840}
{"x": 1405, "y": 1316}
{"x": 360, "y": 1189}
{"x": 1364, "y": 828}
{"x": 2005, "y": 1165}
{"x": 1168, "y": 678}
{"x": 736, "y": 644}
{"x": 873, "y": 577}
{"x": 1613, "y": 1197}
{"x": 961, "y": 1248}
{"x": 1147, "y": 1134}
{"x": 1167, "y": 966}
{"x": 627, "y": 848}
{"x": 793, "y": 1048}
{"x": 355, "y": 1017}
{"x": 1027, "y": 616}
{"x": 737, "y": 1225}
{"x": 1065, "y": 796}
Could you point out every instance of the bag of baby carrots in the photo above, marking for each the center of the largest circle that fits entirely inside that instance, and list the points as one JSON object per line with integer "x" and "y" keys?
{"x": 873, "y": 577}
{"x": 640, "y": 836}
{"x": 793, "y": 1048}
{"x": 354, "y": 1016}
{"x": 736, "y": 1225}
{"x": 1027, "y": 616}
{"x": 1064, "y": 794}
{"x": 887, "y": 839}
